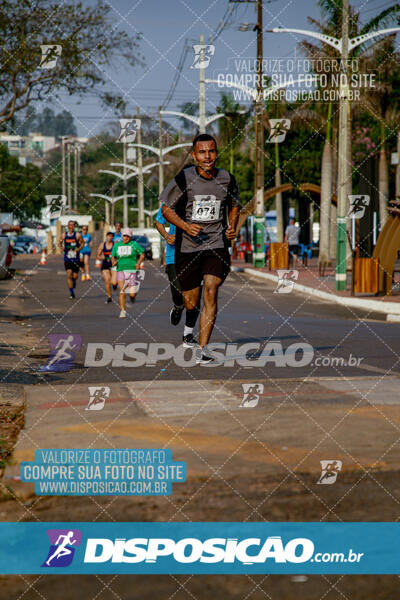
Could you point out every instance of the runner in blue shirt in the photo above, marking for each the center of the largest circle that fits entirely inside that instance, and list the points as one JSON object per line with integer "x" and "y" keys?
{"x": 118, "y": 232}
{"x": 176, "y": 292}
{"x": 85, "y": 253}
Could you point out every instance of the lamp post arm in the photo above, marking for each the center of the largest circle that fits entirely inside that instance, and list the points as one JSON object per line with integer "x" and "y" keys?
{"x": 170, "y": 148}
{"x": 360, "y": 39}
{"x": 146, "y": 147}
{"x": 111, "y": 173}
{"x": 213, "y": 118}
{"x": 192, "y": 118}
{"x": 327, "y": 39}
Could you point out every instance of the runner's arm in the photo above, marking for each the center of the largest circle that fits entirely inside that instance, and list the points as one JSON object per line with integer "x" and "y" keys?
{"x": 170, "y": 215}
{"x": 114, "y": 259}
{"x": 170, "y": 239}
{"x": 61, "y": 240}
{"x": 99, "y": 252}
{"x": 80, "y": 240}
{"x": 233, "y": 218}
{"x": 140, "y": 261}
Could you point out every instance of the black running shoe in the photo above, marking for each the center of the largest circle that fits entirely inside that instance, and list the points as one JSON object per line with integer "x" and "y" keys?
{"x": 189, "y": 341}
{"x": 108, "y": 300}
{"x": 72, "y": 296}
{"x": 175, "y": 315}
{"x": 115, "y": 286}
{"x": 202, "y": 357}
{"x": 133, "y": 299}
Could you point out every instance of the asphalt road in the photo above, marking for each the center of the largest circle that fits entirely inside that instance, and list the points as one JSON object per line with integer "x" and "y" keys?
{"x": 261, "y": 334}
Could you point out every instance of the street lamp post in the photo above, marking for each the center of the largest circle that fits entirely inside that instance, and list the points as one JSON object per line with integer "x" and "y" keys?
{"x": 202, "y": 120}
{"x": 344, "y": 46}
{"x": 111, "y": 200}
{"x": 140, "y": 184}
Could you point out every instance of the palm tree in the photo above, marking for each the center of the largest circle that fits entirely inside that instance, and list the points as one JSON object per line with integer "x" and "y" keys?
{"x": 331, "y": 25}
{"x": 382, "y": 102}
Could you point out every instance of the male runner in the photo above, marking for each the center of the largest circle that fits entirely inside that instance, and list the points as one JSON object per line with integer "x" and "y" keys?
{"x": 176, "y": 292}
{"x": 104, "y": 255}
{"x": 117, "y": 238}
{"x": 118, "y": 232}
{"x": 85, "y": 253}
{"x": 72, "y": 242}
{"x": 127, "y": 256}
{"x": 196, "y": 201}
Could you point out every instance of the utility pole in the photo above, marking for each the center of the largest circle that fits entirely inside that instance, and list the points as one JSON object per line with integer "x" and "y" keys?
{"x": 69, "y": 175}
{"x": 140, "y": 184}
{"x": 113, "y": 185}
{"x": 76, "y": 168}
{"x": 161, "y": 166}
{"x": 202, "y": 90}
{"x": 259, "y": 212}
{"x": 125, "y": 185}
{"x": 343, "y": 166}
{"x": 63, "y": 186}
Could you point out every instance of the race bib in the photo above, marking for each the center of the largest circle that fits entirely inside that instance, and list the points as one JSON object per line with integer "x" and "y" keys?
{"x": 124, "y": 250}
{"x": 206, "y": 208}
{"x": 71, "y": 254}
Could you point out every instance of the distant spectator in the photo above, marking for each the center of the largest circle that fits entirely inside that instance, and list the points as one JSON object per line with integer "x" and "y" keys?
{"x": 292, "y": 238}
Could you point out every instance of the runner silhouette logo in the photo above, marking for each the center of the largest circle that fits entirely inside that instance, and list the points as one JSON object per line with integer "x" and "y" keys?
{"x": 129, "y": 128}
{"x": 357, "y": 205}
{"x": 278, "y": 130}
{"x": 62, "y": 352}
{"x": 202, "y": 55}
{"x": 63, "y": 543}
{"x": 50, "y": 55}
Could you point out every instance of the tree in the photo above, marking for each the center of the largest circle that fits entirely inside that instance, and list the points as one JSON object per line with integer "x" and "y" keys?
{"x": 331, "y": 25}
{"x": 19, "y": 187}
{"x": 88, "y": 44}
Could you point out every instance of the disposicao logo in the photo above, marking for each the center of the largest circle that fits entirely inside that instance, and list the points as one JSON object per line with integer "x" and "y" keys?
{"x": 192, "y": 550}
{"x": 62, "y": 547}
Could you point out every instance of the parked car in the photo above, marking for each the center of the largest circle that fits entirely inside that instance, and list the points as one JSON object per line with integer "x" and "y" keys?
{"x": 5, "y": 256}
{"x": 144, "y": 241}
{"x": 25, "y": 244}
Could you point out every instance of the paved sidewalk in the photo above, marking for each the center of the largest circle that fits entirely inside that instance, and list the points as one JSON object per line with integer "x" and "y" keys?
{"x": 309, "y": 282}
{"x": 204, "y": 424}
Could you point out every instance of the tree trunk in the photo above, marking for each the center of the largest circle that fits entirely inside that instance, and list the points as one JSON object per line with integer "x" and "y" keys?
{"x": 278, "y": 198}
{"x": 349, "y": 251}
{"x": 383, "y": 187}
{"x": 397, "y": 189}
{"x": 325, "y": 205}
{"x": 333, "y": 227}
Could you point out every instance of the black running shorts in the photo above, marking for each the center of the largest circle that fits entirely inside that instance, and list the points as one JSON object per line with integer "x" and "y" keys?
{"x": 71, "y": 265}
{"x": 192, "y": 266}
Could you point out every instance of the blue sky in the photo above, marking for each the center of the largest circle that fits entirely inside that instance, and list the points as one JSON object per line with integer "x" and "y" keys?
{"x": 166, "y": 24}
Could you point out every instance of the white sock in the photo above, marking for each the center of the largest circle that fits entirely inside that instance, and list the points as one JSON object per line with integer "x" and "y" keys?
{"x": 187, "y": 330}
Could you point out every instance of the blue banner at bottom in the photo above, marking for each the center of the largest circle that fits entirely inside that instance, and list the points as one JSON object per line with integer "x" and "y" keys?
{"x": 199, "y": 548}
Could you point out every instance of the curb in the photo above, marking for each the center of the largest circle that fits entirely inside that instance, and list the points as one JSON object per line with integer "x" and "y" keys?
{"x": 390, "y": 309}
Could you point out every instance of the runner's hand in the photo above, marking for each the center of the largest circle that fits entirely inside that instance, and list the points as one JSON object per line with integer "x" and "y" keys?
{"x": 193, "y": 229}
{"x": 230, "y": 233}
{"x": 170, "y": 239}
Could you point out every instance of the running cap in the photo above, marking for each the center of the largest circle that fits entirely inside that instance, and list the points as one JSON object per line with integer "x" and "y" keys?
{"x": 126, "y": 231}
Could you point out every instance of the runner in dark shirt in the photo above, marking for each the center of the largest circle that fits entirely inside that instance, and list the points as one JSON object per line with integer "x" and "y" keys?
{"x": 203, "y": 203}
